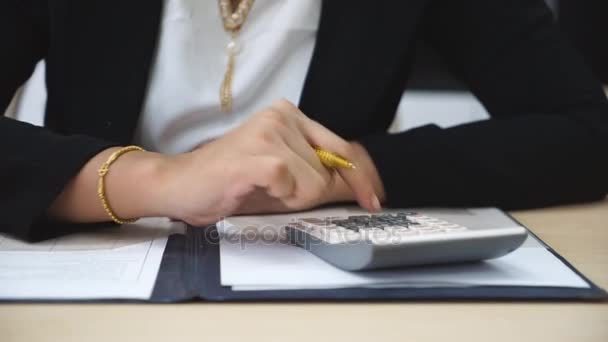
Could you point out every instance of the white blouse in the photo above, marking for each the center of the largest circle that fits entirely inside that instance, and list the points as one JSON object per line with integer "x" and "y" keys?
{"x": 182, "y": 109}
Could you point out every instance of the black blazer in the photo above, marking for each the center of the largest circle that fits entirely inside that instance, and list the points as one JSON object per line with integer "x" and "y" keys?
{"x": 547, "y": 141}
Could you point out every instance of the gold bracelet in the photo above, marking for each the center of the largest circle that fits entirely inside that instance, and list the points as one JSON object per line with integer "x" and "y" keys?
{"x": 101, "y": 189}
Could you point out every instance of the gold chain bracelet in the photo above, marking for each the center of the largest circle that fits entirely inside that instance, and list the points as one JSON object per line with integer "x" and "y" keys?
{"x": 101, "y": 188}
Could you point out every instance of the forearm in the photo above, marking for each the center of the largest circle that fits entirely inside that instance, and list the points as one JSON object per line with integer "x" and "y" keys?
{"x": 131, "y": 187}
{"x": 523, "y": 162}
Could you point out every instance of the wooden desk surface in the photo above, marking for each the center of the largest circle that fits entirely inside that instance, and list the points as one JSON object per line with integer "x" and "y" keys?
{"x": 580, "y": 233}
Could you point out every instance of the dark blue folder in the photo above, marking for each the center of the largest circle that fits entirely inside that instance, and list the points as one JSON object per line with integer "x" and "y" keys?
{"x": 190, "y": 270}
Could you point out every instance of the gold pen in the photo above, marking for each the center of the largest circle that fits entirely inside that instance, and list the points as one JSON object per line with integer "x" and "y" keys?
{"x": 333, "y": 160}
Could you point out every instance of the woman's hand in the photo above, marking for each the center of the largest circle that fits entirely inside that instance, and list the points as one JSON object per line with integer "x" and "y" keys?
{"x": 266, "y": 165}
{"x": 338, "y": 191}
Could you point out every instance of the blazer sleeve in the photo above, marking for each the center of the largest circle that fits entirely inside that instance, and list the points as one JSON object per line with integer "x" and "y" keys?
{"x": 36, "y": 163}
{"x": 547, "y": 140}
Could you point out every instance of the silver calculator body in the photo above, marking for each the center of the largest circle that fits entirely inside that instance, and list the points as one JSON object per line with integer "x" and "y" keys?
{"x": 400, "y": 238}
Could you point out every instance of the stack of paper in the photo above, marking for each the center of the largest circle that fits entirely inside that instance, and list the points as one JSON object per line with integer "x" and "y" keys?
{"x": 254, "y": 255}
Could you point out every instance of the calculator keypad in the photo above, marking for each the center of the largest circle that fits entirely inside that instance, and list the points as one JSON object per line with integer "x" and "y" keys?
{"x": 378, "y": 229}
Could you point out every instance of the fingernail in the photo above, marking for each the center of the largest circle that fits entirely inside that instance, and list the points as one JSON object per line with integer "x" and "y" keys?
{"x": 376, "y": 203}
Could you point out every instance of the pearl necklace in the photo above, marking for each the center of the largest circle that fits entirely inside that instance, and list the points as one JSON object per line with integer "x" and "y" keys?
{"x": 233, "y": 20}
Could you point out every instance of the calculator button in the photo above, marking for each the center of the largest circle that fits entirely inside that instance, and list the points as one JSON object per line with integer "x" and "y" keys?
{"x": 315, "y": 222}
{"x": 374, "y": 233}
{"x": 343, "y": 230}
{"x": 382, "y": 237}
{"x": 428, "y": 227}
{"x": 353, "y": 228}
{"x": 362, "y": 220}
{"x": 359, "y": 217}
{"x": 424, "y": 227}
{"x": 430, "y": 231}
{"x": 332, "y": 219}
{"x": 404, "y": 233}
{"x": 341, "y": 234}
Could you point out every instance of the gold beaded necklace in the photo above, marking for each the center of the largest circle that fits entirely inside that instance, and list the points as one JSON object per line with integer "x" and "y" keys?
{"x": 233, "y": 20}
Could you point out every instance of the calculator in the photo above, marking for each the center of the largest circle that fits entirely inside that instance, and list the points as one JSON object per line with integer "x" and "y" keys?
{"x": 398, "y": 239}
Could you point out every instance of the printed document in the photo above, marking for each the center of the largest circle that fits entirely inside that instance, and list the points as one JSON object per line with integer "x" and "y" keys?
{"x": 113, "y": 263}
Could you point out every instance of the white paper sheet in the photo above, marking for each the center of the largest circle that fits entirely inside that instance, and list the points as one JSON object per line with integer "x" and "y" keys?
{"x": 250, "y": 262}
{"x": 114, "y": 263}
